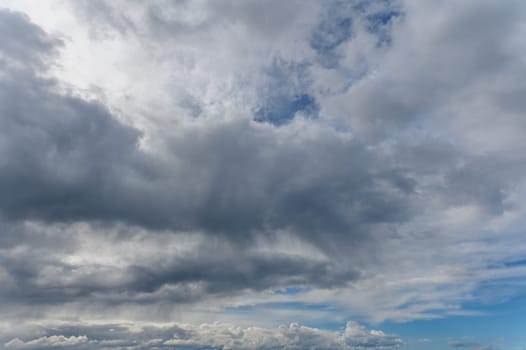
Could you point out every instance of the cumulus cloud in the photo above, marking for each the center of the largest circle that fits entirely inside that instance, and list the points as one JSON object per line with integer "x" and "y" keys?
{"x": 208, "y": 336}
{"x": 54, "y": 341}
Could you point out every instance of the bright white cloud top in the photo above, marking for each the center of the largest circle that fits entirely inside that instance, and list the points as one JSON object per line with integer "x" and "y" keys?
{"x": 197, "y": 174}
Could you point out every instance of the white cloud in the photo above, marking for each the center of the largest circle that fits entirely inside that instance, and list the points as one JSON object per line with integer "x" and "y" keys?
{"x": 210, "y": 335}
{"x": 54, "y": 341}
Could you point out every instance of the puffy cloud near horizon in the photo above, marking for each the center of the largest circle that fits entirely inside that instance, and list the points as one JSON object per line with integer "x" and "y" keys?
{"x": 205, "y": 336}
{"x": 260, "y": 164}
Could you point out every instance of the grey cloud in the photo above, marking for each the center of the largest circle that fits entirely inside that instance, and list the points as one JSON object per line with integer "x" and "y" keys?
{"x": 167, "y": 20}
{"x": 62, "y": 156}
{"x": 223, "y": 274}
{"x": 379, "y": 164}
{"x": 44, "y": 276}
{"x": 434, "y": 66}
{"x": 24, "y": 42}
{"x": 68, "y": 159}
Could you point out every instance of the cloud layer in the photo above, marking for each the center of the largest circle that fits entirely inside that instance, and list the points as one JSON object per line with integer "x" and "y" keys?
{"x": 205, "y": 336}
{"x": 249, "y": 163}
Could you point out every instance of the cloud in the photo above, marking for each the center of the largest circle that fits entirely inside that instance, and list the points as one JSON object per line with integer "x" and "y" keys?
{"x": 351, "y": 153}
{"x": 72, "y": 159}
{"x": 54, "y": 341}
{"x": 358, "y": 337}
{"x": 23, "y": 42}
{"x": 208, "y": 336}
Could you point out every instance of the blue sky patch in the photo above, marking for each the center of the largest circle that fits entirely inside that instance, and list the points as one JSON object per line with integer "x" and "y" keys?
{"x": 334, "y": 28}
{"x": 286, "y": 92}
{"x": 281, "y": 109}
{"x": 379, "y": 23}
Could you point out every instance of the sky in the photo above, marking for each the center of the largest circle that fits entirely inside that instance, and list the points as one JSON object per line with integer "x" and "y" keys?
{"x": 223, "y": 174}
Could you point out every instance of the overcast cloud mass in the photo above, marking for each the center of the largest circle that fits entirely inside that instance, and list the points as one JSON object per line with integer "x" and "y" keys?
{"x": 259, "y": 174}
